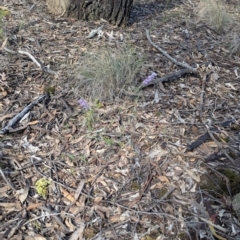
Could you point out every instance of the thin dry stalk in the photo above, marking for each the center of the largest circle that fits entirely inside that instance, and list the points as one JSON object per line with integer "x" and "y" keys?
{"x": 107, "y": 73}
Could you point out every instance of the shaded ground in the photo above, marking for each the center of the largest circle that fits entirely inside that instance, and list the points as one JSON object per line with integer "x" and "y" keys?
{"x": 128, "y": 175}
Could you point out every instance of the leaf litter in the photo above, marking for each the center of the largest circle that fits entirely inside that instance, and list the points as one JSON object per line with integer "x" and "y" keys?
{"x": 127, "y": 175}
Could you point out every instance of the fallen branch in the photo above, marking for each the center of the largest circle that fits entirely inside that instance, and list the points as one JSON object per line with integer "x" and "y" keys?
{"x": 219, "y": 145}
{"x": 206, "y": 136}
{"x": 168, "y": 77}
{"x": 185, "y": 65}
{"x": 19, "y": 116}
{"x": 37, "y": 62}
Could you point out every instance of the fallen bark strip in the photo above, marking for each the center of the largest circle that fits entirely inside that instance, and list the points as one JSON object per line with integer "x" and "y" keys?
{"x": 168, "y": 77}
{"x": 184, "y": 65}
{"x": 206, "y": 136}
{"x": 20, "y": 115}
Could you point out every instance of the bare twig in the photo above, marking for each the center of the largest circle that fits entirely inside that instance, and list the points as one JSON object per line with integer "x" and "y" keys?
{"x": 185, "y": 65}
{"x": 214, "y": 225}
{"x": 169, "y": 192}
{"x": 49, "y": 215}
{"x": 221, "y": 176}
{"x": 56, "y": 218}
{"x": 78, "y": 234}
{"x": 18, "y": 117}
{"x": 108, "y": 229}
{"x": 202, "y": 96}
{"x": 37, "y": 62}
{"x": 9, "y": 50}
{"x": 219, "y": 144}
{"x": 5, "y": 179}
{"x": 31, "y": 57}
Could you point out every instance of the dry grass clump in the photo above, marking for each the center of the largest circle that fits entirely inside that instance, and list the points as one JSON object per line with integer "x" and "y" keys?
{"x": 214, "y": 13}
{"x": 104, "y": 74}
{"x": 235, "y": 44}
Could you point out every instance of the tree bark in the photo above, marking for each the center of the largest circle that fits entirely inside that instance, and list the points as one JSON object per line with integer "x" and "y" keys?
{"x": 114, "y": 11}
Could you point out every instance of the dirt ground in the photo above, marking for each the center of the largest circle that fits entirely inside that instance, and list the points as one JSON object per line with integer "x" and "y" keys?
{"x": 162, "y": 162}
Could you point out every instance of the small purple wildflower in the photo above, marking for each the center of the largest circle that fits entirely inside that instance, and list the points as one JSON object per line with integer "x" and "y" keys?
{"x": 149, "y": 78}
{"x": 83, "y": 104}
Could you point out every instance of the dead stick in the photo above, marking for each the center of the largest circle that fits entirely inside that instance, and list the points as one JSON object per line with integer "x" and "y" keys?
{"x": 18, "y": 117}
{"x": 185, "y": 65}
{"x": 168, "y": 77}
{"x": 202, "y": 96}
{"x": 37, "y": 62}
{"x": 219, "y": 144}
{"x": 5, "y": 179}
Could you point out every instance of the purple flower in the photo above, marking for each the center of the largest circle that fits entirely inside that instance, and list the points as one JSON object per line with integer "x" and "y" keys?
{"x": 83, "y": 104}
{"x": 149, "y": 78}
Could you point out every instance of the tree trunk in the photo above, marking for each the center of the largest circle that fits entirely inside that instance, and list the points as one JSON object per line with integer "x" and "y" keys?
{"x": 115, "y": 11}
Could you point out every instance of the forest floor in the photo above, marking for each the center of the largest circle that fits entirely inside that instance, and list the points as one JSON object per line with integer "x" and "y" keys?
{"x": 128, "y": 161}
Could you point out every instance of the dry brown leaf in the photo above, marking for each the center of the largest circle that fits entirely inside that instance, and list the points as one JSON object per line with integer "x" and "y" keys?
{"x": 101, "y": 151}
{"x": 157, "y": 152}
{"x": 4, "y": 42}
{"x": 205, "y": 148}
{"x": 163, "y": 179}
{"x": 22, "y": 194}
{"x": 195, "y": 130}
{"x": 133, "y": 197}
{"x": 3, "y": 93}
{"x": 11, "y": 207}
{"x": 100, "y": 214}
{"x": 75, "y": 141}
{"x": 193, "y": 175}
{"x": 34, "y": 205}
{"x": 193, "y": 189}
{"x": 102, "y": 181}
{"x": 168, "y": 209}
{"x": 98, "y": 199}
{"x": 4, "y": 189}
{"x": 156, "y": 186}
{"x": 78, "y": 234}
{"x": 124, "y": 216}
{"x": 69, "y": 224}
{"x": 114, "y": 218}
{"x": 5, "y": 116}
{"x": 33, "y": 123}
{"x": 35, "y": 236}
{"x": 182, "y": 186}
{"x": 67, "y": 195}
{"x": 211, "y": 144}
{"x": 214, "y": 76}
{"x": 124, "y": 172}
{"x": 79, "y": 189}
{"x": 103, "y": 209}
